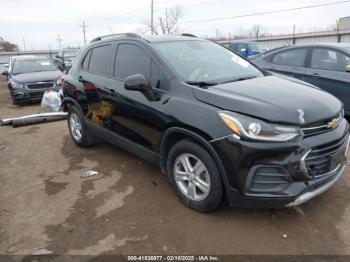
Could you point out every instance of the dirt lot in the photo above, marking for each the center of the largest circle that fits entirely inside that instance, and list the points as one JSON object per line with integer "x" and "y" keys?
{"x": 129, "y": 208}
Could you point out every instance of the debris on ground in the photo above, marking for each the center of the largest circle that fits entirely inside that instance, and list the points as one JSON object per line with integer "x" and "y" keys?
{"x": 42, "y": 251}
{"x": 89, "y": 173}
{"x": 51, "y": 101}
{"x": 33, "y": 119}
{"x": 154, "y": 183}
{"x": 285, "y": 236}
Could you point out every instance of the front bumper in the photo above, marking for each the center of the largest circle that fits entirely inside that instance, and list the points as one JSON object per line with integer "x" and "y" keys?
{"x": 271, "y": 175}
{"x": 23, "y": 95}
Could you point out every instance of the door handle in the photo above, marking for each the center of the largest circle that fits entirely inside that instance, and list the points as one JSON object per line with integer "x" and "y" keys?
{"x": 111, "y": 90}
{"x": 315, "y": 74}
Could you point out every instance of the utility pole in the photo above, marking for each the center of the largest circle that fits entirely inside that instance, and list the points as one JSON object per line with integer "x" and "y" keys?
{"x": 59, "y": 40}
{"x": 24, "y": 44}
{"x": 216, "y": 34}
{"x": 293, "y": 34}
{"x": 84, "y": 26}
{"x": 152, "y": 11}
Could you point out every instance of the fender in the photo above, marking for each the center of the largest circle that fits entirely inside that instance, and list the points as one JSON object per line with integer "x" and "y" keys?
{"x": 66, "y": 101}
{"x": 202, "y": 141}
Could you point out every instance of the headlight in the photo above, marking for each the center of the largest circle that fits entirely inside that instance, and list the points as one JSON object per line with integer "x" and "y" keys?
{"x": 251, "y": 128}
{"x": 15, "y": 84}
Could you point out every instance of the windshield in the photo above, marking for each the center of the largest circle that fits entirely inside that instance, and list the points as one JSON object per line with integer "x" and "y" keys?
{"x": 257, "y": 47}
{"x": 70, "y": 54}
{"x": 28, "y": 66}
{"x": 205, "y": 61}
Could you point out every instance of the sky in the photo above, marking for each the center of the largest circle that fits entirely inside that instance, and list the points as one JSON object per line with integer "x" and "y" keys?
{"x": 38, "y": 22}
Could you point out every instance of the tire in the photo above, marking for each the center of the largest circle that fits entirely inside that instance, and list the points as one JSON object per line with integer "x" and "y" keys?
{"x": 13, "y": 100}
{"x": 203, "y": 201}
{"x": 84, "y": 138}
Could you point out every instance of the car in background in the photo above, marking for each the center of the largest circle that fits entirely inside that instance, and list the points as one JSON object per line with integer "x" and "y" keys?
{"x": 326, "y": 66}
{"x": 248, "y": 49}
{"x": 4, "y": 63}
{"x": 29, "y": 77}
{"x": 65, "y": 58}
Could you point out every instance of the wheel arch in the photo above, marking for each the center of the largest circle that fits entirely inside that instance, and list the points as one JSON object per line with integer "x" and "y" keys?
{"x": 176, "y": 134}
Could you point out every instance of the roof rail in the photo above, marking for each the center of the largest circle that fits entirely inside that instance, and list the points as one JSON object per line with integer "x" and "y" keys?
{"x": 113, "y": 35}
{"x": 189, "y": 35}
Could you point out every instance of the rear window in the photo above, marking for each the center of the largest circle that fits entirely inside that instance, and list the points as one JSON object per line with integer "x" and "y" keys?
{"x": 100, "y": 60}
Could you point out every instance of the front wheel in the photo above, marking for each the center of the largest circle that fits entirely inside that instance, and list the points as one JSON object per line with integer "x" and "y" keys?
{"x": 194, "y": 175}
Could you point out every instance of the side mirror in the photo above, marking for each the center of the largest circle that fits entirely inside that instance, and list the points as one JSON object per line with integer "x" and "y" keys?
{"x": 57, "y": 56}
{"x": 347, "y": 68}
{"x": 139, "y": 82}
{"x": 5, "y": 73}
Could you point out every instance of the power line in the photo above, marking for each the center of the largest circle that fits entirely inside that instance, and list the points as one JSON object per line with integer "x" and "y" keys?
{"x": 84, "y": 26}
{"x": 264, "y": 13}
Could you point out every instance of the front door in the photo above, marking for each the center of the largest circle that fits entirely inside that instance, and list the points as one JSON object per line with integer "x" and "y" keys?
{"x": 136, "y": 116}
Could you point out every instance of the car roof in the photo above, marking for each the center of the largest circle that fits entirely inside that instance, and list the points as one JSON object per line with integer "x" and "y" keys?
{"x": 246, "y": 42}
{"x": 150, "y": 38}
{"x": 19, "y": 58}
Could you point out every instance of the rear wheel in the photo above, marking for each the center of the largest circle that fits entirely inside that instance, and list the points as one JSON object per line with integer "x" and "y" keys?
{"x": 78, "y": 129}
{"x": 194, "y": 175}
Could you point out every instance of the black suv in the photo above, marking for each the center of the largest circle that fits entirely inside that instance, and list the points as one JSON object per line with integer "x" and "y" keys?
{"x": 218, "y": 126}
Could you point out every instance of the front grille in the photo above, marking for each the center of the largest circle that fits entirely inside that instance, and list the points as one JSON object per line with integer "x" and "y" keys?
{"x": 320, "y": 127}
{"x": 40, "y": 85}
{"x": 320, "y": 160}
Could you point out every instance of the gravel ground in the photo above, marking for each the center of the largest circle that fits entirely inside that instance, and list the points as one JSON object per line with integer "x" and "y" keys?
{"x": 129, "y": 207}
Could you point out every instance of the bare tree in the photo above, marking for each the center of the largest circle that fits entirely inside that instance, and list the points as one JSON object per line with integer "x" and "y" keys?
{"x": 256, "y": 31}
{"x": 167, "y": 24}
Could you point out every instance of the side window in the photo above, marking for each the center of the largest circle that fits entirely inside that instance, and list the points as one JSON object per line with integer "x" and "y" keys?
{"x": 86, "y": 61}
{"x": 99, "y": 60}
{"x": 131, "y": 60}
{"x": 328, "y": 59}
{"x": 295, "y": 57}
{"x": 240, "y": 47}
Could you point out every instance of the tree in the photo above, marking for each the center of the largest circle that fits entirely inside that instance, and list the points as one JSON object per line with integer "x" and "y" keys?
{"x": 168, "y": 24}
{"x": 7, "y": 46}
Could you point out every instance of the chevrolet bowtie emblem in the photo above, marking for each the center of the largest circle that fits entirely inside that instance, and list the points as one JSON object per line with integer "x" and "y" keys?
{"x": 334, "y": 123}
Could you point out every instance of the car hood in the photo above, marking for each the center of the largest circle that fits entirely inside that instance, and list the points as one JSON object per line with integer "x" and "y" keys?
{"x": 37, "y": 76}
{"x": 273, "y": 99}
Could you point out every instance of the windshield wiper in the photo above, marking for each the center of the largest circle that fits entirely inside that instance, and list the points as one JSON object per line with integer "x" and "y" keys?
{"x": 242, "y": 78}
{"x": 201, "y": 84}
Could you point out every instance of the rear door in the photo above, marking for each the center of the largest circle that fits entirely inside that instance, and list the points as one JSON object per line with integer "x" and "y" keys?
{"x": 290, "y": 62}
{"x": 326, "y": 70}
{"x": 96, "y": 78}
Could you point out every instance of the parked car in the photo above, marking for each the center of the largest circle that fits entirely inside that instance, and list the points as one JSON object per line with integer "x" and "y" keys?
{"x": 65, "y": 58}
{"x": 29, "y": 77}
{"x": 248, "y": 49}
{"x": 217, "y": 125}
{"x": 326, "y": 66}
